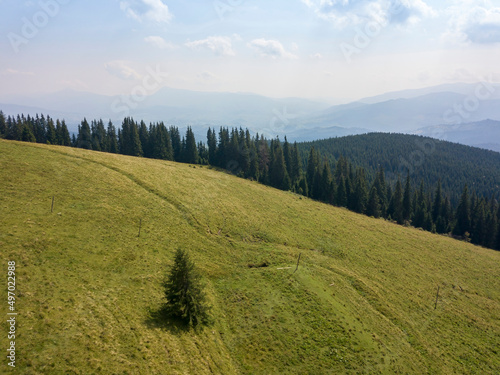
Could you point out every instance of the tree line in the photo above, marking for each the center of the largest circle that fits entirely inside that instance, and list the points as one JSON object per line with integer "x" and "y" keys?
{"x": 426, "y": 159}
{"x": 281, "y": 165}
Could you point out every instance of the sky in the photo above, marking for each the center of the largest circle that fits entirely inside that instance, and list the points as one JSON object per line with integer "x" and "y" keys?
{"x": 334, "y": 50}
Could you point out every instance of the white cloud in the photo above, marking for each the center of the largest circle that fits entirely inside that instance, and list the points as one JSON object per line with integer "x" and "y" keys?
{"x": 207, "y": 76}
{"x": 220, "y": 45}
{"x": 477, "y": 22}
{"x": 121, "y": 70}
{"x": 15, "y": 72}
{"x": 143, "y": 10}
{"x": 316, "y": 56}
{"x": 271, "y": 48}
{"x": 344, "y": 13}
{"x": 159, "y": 42}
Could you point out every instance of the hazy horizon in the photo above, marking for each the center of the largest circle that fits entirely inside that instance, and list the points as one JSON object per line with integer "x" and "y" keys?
{"x": 316, "y": 49}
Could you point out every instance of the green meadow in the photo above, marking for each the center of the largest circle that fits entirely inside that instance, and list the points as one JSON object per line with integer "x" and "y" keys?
{"x": 362, "y": 300}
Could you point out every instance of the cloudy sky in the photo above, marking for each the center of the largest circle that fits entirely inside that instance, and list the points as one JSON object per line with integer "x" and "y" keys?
{"x": 332, "y": 49}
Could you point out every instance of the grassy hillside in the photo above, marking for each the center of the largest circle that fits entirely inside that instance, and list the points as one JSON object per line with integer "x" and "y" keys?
{"x": 361, "y": 302}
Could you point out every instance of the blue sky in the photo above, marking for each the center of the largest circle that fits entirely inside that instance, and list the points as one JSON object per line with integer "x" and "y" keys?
{"x": 331, "y": 49}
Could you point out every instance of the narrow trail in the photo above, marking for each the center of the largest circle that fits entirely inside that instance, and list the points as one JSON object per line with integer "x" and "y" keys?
{"x": 183, "y": 210}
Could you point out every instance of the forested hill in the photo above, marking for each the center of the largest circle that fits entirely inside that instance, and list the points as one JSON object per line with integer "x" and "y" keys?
{"x": 427, "y": 159}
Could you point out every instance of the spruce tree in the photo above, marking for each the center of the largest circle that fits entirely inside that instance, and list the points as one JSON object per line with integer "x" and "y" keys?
{"x": 264, "y": 160}
{"x": 373, "y": 207}
{"x": 277, "y": 171}
{"x": 287, "y": 154}
{"x": 144, "y": 139}
{"x": 65, "y": 138}
{"x": 491, "y": 229}
{"x": 407, "y": 200}
{"x": 478, "y": 223}
{"x": 212, "y": 146}
{"x": 312, "y": 167}
{"x": 326, "y": 194}
{"x": 39, "y": 130}
{"x": 420, "y": 208}
{"x": 84, "y": 136}
{"x": 27, "y": 134}
{"x": 438, "y": 202}
{"x": 186, "y": 299}
{"x": 396, "y": 205}
{"x": 341, "y": 196}
{"x": 3, "y": 125}
{"x": 382, "y": 191}
{"x": 190, "y": 149}
{"x": 360, "y": 193}
{"x": 462, "y": 224}
{"x": 111, "y": 141}
{"x": 296, "y": 164}
{"x": 175, "y": 137}
{"x": 253, "y": 169}
{"x": 498, "y": 236}
{"x": 135, "y": 141}
{"x": 51, "y": 132}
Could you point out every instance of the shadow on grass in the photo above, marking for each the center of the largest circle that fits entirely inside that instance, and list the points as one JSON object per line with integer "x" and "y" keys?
{"x": 159, "y": 318}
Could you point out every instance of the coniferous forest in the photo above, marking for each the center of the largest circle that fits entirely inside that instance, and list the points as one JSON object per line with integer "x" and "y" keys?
{"x": 414, "y": 181}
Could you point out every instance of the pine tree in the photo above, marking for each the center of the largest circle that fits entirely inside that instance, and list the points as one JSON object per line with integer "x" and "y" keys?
{"x": 27, "y": 134}
{"x": 396, "y": 204}
{"x": 243, "y": 157}
{"x": 277, "y": 171}
{"x": 66, "y": 139}
{"x": 316, "y": 185}
{"x": 253, "y": 169}
{"x": 287, "y": 154}
{"x": 84, "y": 136}
{"x": 190, "y": 149}
{"x": 407, "y": 211}
{"x": 202, "y": 153}
{"x": 478, "y": 223}
{"x": 111, "y": 139}
{"x": 130, "y": 143}
{"x": 373, "y": 207}
{"x": 421, "y": 211}
{"x": 144, "y": 139}
{"x": 462, "y": 225}
{"x": 296, "y": 164}
{"x": 98, "y": 136}
{"x": 3, "y": 125}
{"x": 212, "y": 146}
{"x": 438, "y": 202}
{"x": 175, "y": 137}
{"x": 186, "y": 299}
{"x": 360, "y": 193}
{"x": 51, "y": 132}
{"x": 491, "y": 227}
{"x": 62, "y": 133}
{"x": 382, "y": 191}
{"x": 498, "y": 236}
{"x": 312, "y": 168}
{"x": 302, "y": 187}
{"x": 341, "y": 196}
{"x": 326, "y": 193}
{"x": 39, "y": 129}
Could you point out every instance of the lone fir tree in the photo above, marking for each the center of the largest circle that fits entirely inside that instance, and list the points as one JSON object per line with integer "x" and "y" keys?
{"x": 186, "y": 299}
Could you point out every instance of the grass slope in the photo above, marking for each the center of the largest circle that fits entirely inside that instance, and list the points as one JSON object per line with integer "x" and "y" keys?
{"x": 362, "y": 300}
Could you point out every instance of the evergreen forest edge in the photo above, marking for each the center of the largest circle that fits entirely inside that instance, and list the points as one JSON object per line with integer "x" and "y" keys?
{"x": 327, "y": 176}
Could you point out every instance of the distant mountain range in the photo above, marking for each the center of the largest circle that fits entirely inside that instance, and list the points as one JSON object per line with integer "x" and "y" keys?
{"x": 455, "y": 112}
{"x": 483, "y": 134}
